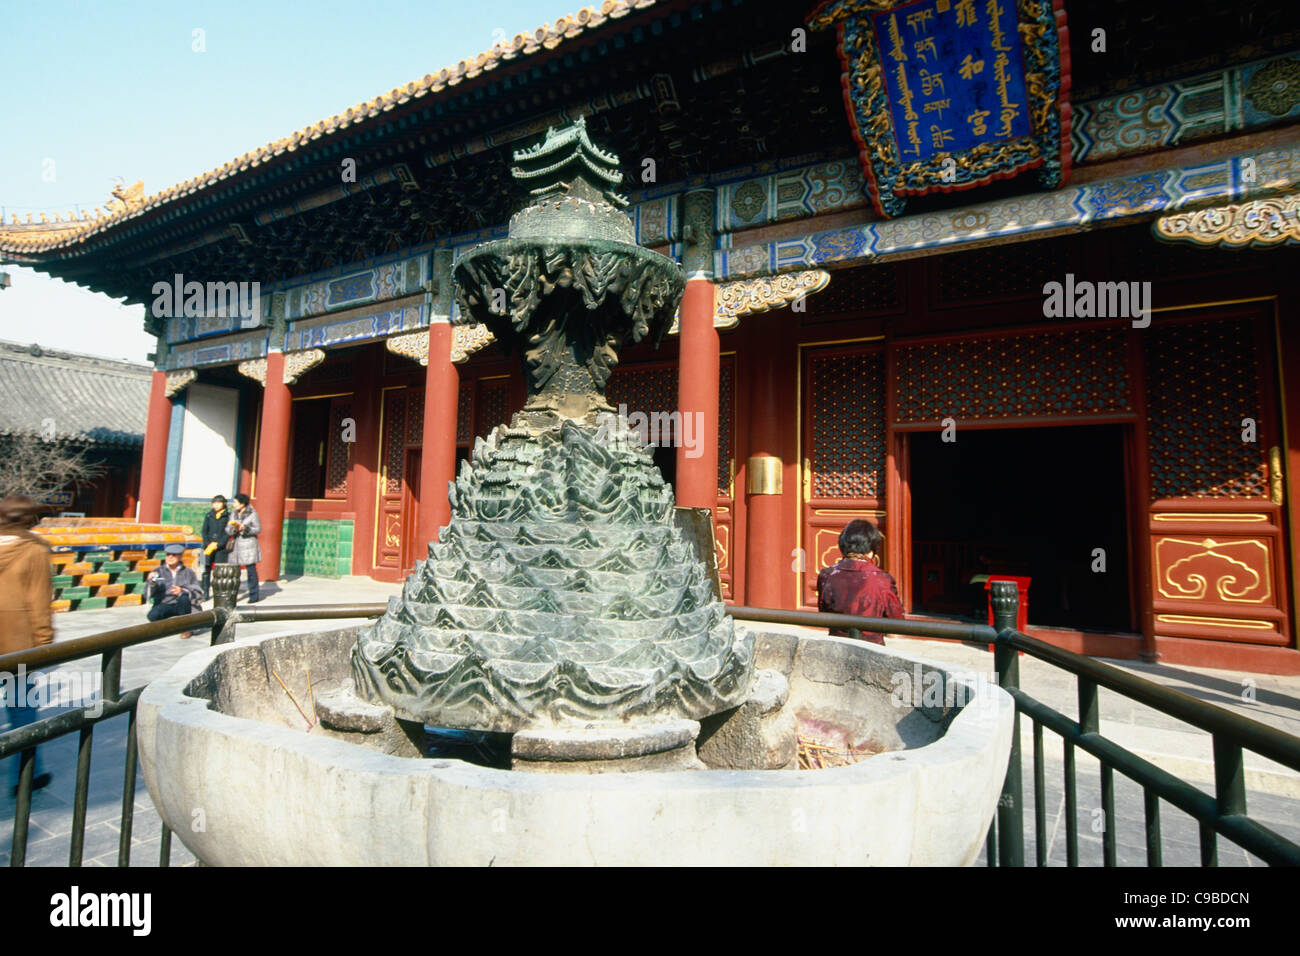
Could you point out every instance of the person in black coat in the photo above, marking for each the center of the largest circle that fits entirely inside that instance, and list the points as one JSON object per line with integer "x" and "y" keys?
{"x": 214, "y": 540}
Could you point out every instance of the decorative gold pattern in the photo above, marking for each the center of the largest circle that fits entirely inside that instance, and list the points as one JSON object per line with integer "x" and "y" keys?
{"x": 749, "y": 296}
{"x": 1237, "y": 572}
{"x": 254, "y": 369}
{"x": 298, "y": 364}
{"x": 468, "y": 339}
{"x": 1260, "y": 222}
{"x": 1275, "y": 482}
{"x": 1244, "y": 517}
{"x": 412, "y": 345}
{"x": 1246, "y": 622}
{"x": 178, "y": 380}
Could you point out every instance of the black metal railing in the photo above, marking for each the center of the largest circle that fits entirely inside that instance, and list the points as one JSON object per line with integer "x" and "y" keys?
{"x": 1224, "y": 814}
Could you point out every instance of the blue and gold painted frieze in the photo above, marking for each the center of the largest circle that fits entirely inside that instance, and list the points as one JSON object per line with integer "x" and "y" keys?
{"x": 357, "y": 325}
{"x": 1245, "y": 97}
{"x": 1139, "y": 195}
{"x": 225, "y": 351}
{"x": 187, "y": 328}
{"x": 376, "y": 282}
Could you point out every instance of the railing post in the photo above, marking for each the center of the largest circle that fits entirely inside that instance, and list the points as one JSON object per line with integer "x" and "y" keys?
{"x": 225, "y": 586}
{"x": 1005, "y": 599}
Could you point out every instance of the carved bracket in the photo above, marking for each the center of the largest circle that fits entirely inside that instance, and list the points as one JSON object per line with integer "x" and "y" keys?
{"x": 254, "y": 369}
{"x": 298, "y": 364}
{"x": 731, "y": 300}
{"x": 178, "y": 380}
{"x": 465, "y": 341}
{"x": 1260, "y": 222}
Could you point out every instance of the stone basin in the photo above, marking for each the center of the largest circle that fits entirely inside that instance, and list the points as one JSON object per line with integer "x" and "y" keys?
{"x": 235, "y": 773}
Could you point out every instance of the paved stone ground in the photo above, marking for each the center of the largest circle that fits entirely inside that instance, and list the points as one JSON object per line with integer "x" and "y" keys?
{"x": 1273, "y": 791}
{"x": 49, "y": 833}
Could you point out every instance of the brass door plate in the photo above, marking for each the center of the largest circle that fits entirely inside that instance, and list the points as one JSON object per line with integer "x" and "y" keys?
{"x": 763, "y": 475}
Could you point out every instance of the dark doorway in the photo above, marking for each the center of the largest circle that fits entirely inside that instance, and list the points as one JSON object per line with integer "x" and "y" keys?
{"x": 1028, "y": 502}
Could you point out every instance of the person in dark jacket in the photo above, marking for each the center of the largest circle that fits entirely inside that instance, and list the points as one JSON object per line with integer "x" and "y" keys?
{"x": 854, "y": 584}
{"x": 173, "y": 588}
{"x": 244, "y": 527}
{"x": 25, "y": 619}
{"x": 214, "y": 540}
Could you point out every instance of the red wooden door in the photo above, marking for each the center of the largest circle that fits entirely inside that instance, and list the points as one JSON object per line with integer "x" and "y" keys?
{"x": 1218, "y": 550}
{"x": 843, "y": 451}
{"x": 413, "y": 549}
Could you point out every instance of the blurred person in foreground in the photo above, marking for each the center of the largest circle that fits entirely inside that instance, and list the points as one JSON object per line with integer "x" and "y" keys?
{"x": 25, "y": 617}
{"x": 855, "y": 584}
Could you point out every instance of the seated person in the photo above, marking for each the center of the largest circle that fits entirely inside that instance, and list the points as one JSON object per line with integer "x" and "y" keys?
{"x": 173, "y": 588}
{"x": 854, "y": 585}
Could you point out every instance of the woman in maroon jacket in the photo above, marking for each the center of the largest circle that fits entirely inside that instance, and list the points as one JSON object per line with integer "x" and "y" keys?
{"x": 854, "y": 585}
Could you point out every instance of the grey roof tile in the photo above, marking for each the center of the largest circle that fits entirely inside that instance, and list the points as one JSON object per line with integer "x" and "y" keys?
{"x": 89, "y": 399}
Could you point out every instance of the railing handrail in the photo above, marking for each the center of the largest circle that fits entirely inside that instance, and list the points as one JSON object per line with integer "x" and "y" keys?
{"x": 60, "y": 652}
{"x": 1224, "y": 814}
{"x": 1252, "y": 734}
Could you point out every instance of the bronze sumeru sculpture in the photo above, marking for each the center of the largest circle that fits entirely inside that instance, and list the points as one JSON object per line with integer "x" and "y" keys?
{"x": 562, "y": 590}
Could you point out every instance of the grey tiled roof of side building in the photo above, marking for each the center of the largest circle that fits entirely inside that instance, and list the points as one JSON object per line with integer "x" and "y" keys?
{"x": 90, "y": 399}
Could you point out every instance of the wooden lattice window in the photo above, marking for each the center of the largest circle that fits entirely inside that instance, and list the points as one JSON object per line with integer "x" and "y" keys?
{"x": 1203, "y": 380}
{"x": 848, "y": 425}
{"x": 1079, "y": 372}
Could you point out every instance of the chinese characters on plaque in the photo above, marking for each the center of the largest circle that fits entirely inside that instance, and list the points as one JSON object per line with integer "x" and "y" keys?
{"x": 950, "y": 94}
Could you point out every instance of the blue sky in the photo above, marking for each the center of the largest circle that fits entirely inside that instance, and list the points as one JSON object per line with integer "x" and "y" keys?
{"x": 97, "y": 91}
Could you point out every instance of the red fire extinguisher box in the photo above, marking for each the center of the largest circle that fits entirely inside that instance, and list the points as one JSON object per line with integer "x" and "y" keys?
{"x": 1022, "y": 616}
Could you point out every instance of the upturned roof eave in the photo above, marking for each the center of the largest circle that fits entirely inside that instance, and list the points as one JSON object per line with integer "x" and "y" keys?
{"x": 21, "y": 246}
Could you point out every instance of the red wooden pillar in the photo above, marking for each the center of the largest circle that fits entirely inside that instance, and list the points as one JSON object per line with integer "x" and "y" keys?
{"x": 153, "y": 463}
{"x": 438, "y": 456}
{"x": 769, "y": 533}
{"x": 697, "y": 398}
{"x": 272, "y": 465}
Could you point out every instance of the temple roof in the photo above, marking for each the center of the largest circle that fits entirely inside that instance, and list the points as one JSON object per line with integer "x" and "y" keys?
{"x": 34, "y": 238}
{"x": 68, "y": 396}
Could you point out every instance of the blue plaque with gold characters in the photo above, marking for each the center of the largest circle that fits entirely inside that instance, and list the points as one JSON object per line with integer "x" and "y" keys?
{"x": 946, "y": 95}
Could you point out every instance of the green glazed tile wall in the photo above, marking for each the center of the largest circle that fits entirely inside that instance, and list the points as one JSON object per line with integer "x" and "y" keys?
{"x": 316, "y": 547}
{"x": 184, "y": 512}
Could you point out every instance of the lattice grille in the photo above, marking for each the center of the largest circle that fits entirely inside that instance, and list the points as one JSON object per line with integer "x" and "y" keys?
{"x": 726, "y": 392}
{"x": 848, "y": 425}
{"x": 493, "y": 397}
{"x": 415, "y": 417}
{"x": 336, "y": 452}
{"x": 464, "y": 409}
{"x": 1203, "y": 380}
{"x": 1001, "y": 271}
{"x": 1081, "y": 372}
{"x": 853, "y": 291}
{"x": 305, "y": 455}
{"x": 643, "y": 389}
{"x": 394, "y": 440}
